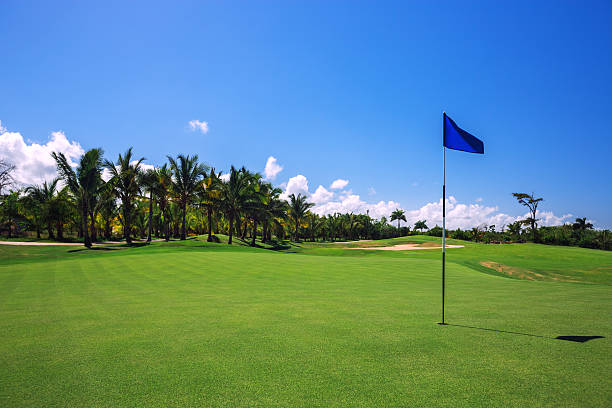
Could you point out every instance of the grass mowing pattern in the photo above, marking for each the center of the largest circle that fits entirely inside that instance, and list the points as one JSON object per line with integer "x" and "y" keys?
{"x": 194, "y": 324}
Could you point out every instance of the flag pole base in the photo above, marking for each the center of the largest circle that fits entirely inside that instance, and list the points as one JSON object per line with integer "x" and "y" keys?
{"x": 443, "y": 324}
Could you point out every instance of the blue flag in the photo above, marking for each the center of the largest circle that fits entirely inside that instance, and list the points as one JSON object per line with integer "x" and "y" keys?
{"x": 458, "y": 139}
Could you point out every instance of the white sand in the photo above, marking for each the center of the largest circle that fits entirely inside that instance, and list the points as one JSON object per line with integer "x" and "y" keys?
{"x": 405, "y": 247}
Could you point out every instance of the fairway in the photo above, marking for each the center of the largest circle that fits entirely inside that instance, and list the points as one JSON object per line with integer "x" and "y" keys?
{"x": 195, "y": 324}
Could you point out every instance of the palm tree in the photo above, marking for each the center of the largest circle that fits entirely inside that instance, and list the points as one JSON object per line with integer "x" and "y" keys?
{"x": 298, "y": 206}
{"x": 107, "y": 206}
{"x": 398, "y": 215}
{"x": 125, "y": 175}
{"x": 84, "y": 183}
{"x": 235, "y": 194}
{"x": 582, "y": 225}
{"x": 43, "y": 195}
{"x": 420, "y": 225}
{"x": 274, "y": 212}
{"x": 148, "y": 181}
{"x": 187, "y": 173}
{"x": 162, "y": 193}
{"x": 209, "y": 197}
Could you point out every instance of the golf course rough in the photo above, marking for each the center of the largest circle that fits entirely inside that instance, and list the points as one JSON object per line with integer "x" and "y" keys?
{"x": 316, "y": 325}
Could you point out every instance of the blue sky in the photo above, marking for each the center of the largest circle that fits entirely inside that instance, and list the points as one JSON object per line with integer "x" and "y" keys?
{"x": 333, "y": 90}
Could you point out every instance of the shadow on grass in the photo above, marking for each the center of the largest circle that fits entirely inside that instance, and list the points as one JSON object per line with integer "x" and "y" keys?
{"x": 577, "y": 339}
{"x": 94, "y": 249}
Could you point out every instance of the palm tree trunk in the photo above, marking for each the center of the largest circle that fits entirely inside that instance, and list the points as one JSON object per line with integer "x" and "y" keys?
{"x": 231, "y": 227}
{"x": 92, "y": 220}
{"x": 84, "y": 211}
{"x": 264, "y": 232}
{"x": 244, "y": 230}
{"x": 37, "y": 232}
{"x": 126, "y": 223}
{"x": 150, "y": 217}
{"x": 184, "y": 216}
{"x": 60, "y": 230}
{"x": 50, "y": 230}
{"x": 297, "y": 225}
{"x": 254, "y": 233}
{"x": 209, "y": 213}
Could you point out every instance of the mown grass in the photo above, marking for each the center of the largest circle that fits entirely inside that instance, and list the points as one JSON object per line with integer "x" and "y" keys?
{"x": 199, "y": 324}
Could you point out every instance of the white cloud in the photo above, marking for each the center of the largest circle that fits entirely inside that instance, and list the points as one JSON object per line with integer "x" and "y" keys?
{"x": 202, "y": 126}
{"x": 458, "y": 215}
{"x": 272, "y": 168}
{"x": 467, "y": 216}
{"x": 321, "y": 195}
{"x": 479, "y": 199}
{"x": 339, "y": 184}
{"x": 225, "y": 177}
{"x": 33, "y": 161}
{"x": 296, "y": 185}
{"x": 144, "y": 166}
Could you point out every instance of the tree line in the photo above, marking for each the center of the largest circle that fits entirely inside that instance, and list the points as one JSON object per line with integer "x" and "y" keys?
{"x": 185, "y": 196}
{"x": 182, "y": 197}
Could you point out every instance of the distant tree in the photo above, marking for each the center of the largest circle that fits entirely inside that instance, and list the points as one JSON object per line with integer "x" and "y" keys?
{"x": 515, "y": 228}
{"x": 9, "y": 211}
{"x": 43, "y": 196}
{"x": 298, "y": 206}
{"x": 84, "y": 183}
{"x": 420, "y": 225}
{"x": 187, "y": 175}
{"x": 581, "y": 225}
{"x": 125, "y": 178}
{"x": 529, "y": 201}
{"x": 398, "y": 215}
{"x": 6, "y": 174}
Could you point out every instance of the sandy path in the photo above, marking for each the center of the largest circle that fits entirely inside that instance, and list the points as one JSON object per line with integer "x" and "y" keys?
{"x": 405, "y": 247}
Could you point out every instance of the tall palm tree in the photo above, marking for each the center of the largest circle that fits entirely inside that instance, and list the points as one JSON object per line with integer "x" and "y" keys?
{"x": 235, "y": 194}
{"x": 581, "y": 225}
{"x": 298, "y": 206}
{"x": 84, "y": 183}
{"x": 274, "y": 211}
{"x": 420, "y": 225}
{"x": 43, "y": 195}
{"x": 148, "y": 181}
{"x": 125, "y": 175}
{"x": 187, "y": 174}
{"x": 209, "y": 197}
{"x": 162, "y": 194}
{"x": 398, "y": 215}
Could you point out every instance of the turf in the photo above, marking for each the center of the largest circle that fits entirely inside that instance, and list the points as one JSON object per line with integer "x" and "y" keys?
{"x": 196, "y": 324}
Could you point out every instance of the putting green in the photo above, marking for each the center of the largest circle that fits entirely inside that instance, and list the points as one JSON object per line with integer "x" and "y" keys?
{"x": 195, "y": 324}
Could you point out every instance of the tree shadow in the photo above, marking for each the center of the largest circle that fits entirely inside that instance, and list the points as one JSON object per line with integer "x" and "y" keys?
{"x": 94, "y": 249}
{"x": 578, "y": 339}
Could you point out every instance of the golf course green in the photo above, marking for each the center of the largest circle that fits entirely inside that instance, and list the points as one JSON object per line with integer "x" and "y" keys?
{"x": 190, "y": 323}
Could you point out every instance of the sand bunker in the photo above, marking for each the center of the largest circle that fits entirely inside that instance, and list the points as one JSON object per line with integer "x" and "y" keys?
{"x": 405, "y": 247}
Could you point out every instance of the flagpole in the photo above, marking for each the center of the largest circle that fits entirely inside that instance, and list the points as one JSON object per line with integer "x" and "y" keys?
{"x": 443, "y": 215}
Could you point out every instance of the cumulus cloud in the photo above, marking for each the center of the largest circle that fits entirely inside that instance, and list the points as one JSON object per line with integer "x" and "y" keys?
{"x": 458, "y": 215}
{"x": 321, "y": 195}
{"x": 198, "y": 125}
{"x": 339, "y": 184}
{"x": 272, "y": 168}
{"x": 33, "y": 161}
{"x": 467, "y": 216}
{"x": 296, "y": 185}
{"x": 225, "y": 177}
